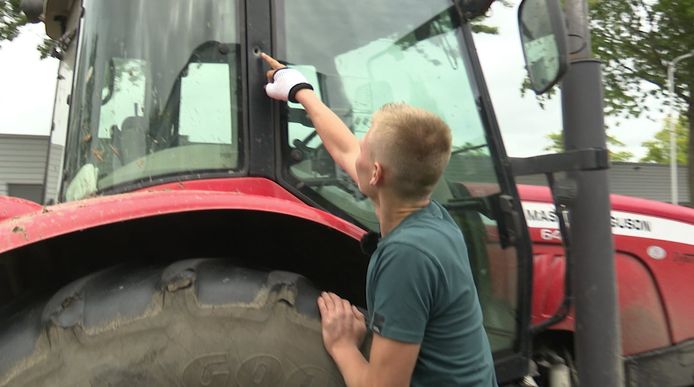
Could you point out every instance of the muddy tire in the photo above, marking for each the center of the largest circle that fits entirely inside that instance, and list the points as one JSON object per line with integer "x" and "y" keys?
{"x": 193, "y": 323}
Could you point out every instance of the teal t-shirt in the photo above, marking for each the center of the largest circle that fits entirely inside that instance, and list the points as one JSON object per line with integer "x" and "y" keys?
{"x": 419, "y": 289}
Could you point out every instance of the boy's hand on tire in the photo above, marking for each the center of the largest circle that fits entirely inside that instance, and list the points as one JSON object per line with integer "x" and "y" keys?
{"x": 343, "y": 325}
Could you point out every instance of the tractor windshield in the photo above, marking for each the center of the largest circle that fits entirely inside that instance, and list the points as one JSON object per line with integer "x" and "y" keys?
{"x": 157, "y": 93}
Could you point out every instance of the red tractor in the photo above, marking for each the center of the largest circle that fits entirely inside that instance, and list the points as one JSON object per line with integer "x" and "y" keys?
{"x": 197, "y": 220}
{"x": 654, "y": 257}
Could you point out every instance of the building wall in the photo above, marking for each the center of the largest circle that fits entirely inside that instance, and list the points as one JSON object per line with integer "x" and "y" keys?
{"x": 644, "y": 180}
{"x": 23, "y": 161}
{"x": 650, "y": 181}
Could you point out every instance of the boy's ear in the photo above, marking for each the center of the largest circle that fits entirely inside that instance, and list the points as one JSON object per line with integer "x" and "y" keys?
{"x": 376, "y": 175}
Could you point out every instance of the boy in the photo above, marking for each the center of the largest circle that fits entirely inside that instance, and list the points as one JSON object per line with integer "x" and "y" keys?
{"x": 423, "y": 306}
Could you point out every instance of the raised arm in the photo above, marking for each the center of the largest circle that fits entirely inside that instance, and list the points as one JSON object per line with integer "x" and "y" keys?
{"x": 289, "y": 84}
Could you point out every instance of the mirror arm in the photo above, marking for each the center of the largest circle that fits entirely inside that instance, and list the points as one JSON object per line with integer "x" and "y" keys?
{"x": 590, "y": 159}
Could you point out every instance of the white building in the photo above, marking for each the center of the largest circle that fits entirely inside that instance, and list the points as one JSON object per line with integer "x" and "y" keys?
{"x": 23, "y": 166}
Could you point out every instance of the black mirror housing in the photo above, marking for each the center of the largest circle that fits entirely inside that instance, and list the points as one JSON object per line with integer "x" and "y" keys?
{"x": 474, "y": 8}
{"x": 33, "y": 9}
{"x": 543, "y": 37}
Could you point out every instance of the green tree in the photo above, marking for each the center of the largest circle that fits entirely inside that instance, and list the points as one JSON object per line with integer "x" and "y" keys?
{"x": 11, "y": 18}
{"x": 659, "y": 147}
{"x": 557, "y": 145}
{"x": 636, "y": 39}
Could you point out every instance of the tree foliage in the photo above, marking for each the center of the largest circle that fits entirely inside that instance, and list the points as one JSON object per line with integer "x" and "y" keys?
{"x": 478, "y": 27}
{"x": 557, "y": 145}
{"x": 11, "y": 18}
{"x": 658, "y": 149}
{"x": 636, "y": 40}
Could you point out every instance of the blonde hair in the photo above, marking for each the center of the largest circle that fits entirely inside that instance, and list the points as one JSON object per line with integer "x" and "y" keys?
{"x": 414, "y": 145}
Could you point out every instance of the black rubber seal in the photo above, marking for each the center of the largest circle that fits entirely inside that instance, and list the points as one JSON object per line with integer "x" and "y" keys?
{"x": 295, "y": 89}
{"x": 369, "y": 242}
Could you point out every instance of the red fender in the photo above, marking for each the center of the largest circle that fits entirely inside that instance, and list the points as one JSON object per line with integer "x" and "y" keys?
{"x": 11, "y": 207}
{"x": 256, "y": 194}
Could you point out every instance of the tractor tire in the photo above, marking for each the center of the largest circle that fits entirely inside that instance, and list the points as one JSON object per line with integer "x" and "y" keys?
{"x": 194, "y": 323}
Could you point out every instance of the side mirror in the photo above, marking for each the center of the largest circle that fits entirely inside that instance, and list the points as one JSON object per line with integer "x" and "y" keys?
{"x": 543, "y": 37}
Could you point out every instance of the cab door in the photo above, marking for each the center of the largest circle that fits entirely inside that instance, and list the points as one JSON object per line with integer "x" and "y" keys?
{"x": 360, "y": 55}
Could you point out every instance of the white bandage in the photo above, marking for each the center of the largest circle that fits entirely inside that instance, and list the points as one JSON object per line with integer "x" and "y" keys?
{"x": 286, "y": 83}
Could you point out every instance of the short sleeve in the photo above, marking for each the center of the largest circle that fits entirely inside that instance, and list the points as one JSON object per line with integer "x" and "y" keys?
{"x": 403, "y": 293}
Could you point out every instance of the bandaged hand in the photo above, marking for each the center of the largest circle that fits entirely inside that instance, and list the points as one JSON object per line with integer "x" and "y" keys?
{"x": 283, "y": 82}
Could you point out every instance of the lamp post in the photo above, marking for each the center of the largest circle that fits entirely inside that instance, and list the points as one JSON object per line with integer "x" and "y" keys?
{"x": 671, "y": 124}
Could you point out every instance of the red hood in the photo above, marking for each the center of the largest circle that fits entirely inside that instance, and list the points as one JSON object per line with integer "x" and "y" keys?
{"x": 253, "y": 194}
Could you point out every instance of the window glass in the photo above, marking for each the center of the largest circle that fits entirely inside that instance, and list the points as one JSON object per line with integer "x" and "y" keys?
{"x": 124, "y": 95}
{"x": 409, "y": 52}
{"x": 157, "y": 93}
{"x": 205, "y": 115}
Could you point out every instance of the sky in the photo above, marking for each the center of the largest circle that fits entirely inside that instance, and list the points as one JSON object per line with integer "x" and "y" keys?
{"x": 524, "y": 124}
{"x": 28, "y": 86}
